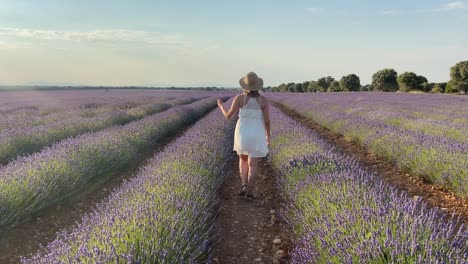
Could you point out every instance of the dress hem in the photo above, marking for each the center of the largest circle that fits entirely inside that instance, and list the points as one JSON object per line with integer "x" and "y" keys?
{"x": 250, "y": 155}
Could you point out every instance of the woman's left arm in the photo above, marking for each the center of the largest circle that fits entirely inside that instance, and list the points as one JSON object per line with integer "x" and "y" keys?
{"x": 266, "y": 119}
{"x": 234, "y": 107}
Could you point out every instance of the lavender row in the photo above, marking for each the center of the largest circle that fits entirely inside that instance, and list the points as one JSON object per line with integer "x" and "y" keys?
{"x": 37, "y": 108}
{"x": 43, "y": 102}
{"x": 163, "y": 214}
{"x": 22, "y": 141}
{"x": 424, "y": 134}
{"x": 340, "y": 213}
{"x": 33, "y": 182}
{"x": 35, "y": 117}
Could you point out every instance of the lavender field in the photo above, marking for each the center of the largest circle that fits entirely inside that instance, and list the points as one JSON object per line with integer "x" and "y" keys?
{"x": 55, "y": 145}
{"x": 423, "y": 134}
{"x": 340, "y": 213}
{"x": 160, "y": 216}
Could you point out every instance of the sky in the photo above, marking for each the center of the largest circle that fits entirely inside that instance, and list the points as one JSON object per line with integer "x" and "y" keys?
{"x": 200, "y": 43}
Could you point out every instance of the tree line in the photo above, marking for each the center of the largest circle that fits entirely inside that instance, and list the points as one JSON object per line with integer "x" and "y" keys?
{"x": 386, "y": 80}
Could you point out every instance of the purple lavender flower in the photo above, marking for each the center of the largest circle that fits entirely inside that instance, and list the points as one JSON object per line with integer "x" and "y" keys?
{"x": 162, "y": 215}
{"x": 340, "y": 213}
{"x": 422, "y": 133}
{"x": 31, "y": 183}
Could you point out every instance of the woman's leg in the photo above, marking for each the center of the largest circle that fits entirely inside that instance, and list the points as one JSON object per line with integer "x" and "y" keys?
{"x": 244, "y": 168}
{"x": 253, "y": 164}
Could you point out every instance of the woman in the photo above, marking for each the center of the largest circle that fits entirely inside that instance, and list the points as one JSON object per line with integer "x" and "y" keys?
{"x": 252, "y": 133}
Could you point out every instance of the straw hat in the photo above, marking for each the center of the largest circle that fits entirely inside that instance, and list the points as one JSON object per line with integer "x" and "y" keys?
{"x": 251, "y": 82}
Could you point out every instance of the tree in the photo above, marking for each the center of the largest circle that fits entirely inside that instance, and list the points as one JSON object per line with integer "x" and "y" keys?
{"x": 451, "y": 87}
{"x": 385, "y": 80}
{"x": 439, "y": 87}
{"x": 290, "y": 87}
{"x": 298, "y": 88}
{"x": 459, "y": 76}
{"x": 425, "y": 86}
{"x": 266, "y": 89}
{"x": 324, "y": 82}
{"x": 365, "y": 88}
{"x": 334, "y": 87}
{"x": 350, "y": 83}
{"x": 409, "y": 81}
{"x": 313, "y": 87}
{"x": 305, "y": 85}
{"x": 282, "y": 87}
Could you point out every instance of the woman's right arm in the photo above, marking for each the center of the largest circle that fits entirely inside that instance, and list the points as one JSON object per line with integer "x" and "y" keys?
{"x": 232, "y": 111}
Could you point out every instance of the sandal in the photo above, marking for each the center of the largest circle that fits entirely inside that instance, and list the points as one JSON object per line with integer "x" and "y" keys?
{"x": 243, "y": 190}
{"x": 251, "y": 196}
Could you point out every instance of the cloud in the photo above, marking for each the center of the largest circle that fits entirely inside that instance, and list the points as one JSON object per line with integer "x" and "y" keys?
{"x": 454, "y": 6}
{"x": 107, "y": 36}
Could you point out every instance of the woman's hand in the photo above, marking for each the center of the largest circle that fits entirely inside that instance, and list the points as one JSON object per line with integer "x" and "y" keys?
{"x": 234, "y": 107}
{"x": 268, "y": 139}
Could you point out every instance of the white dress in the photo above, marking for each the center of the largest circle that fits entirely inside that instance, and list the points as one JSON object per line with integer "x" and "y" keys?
{"x": 250, "y": 134}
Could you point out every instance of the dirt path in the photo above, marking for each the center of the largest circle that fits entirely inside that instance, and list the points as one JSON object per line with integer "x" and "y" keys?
{"x": 434, "y": 195}
{"x": 250, "y": 231}
{"x": 41, "y": 228}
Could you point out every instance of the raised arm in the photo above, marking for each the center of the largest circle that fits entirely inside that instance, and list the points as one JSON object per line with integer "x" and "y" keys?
{"x": 266, "y": 118}
{"x": 234, "y": 107}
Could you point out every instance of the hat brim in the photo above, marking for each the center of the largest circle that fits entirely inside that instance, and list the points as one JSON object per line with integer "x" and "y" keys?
{"x": 257, "y": 87}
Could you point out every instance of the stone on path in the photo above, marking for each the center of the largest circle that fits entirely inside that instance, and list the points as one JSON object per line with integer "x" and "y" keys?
{"x": 277, "y": 241}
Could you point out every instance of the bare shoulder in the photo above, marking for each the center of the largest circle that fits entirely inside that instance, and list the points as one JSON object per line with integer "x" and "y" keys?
{"x": 237, "y": 99}
{"x": 239, "y": 96}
